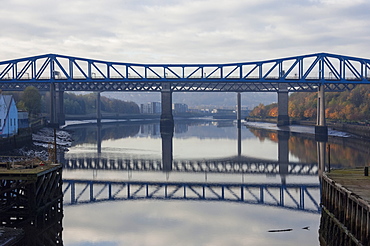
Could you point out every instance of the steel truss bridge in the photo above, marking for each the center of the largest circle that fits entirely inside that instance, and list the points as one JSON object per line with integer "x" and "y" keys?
{"x": 299, "y": 73}
{"x": 237, "y": 165}
{"x": 301, "y": 197}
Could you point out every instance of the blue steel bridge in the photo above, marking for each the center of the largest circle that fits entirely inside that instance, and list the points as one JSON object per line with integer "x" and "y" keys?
{"x": 305, "y": 72}
{"x": 299, "y": 197}
{"x": 58, "y": 73}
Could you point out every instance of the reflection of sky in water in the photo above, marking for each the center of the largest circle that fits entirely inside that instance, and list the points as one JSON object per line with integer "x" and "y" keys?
{"x": 185, "y": 223}
{"x": 190, "y": 147}
{"x": 153, "y": 222}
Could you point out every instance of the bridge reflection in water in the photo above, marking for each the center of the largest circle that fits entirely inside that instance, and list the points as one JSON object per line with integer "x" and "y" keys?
{"x": 302, "y": 197}
{"x": 289, "y": 196}
{"x": 233, "y": 164}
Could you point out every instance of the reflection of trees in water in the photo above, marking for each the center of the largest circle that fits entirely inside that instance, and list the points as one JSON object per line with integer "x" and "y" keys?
{"x": 120, "y": 131}
{"x": 262, "y": 135}
{"x": 305, "y": 149}
{"x": 89, "y": 134}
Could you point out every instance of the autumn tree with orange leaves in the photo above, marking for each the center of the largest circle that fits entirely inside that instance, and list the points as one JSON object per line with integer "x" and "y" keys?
{"x": 351, "y": 105}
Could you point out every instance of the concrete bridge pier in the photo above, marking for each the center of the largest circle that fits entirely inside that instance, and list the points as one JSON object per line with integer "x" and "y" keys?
{"x": 239, "y": 119}
{"x": 61, "y": 119}
{"x": 321, "y": 129}
{"x": 239, "y": 109}
{"x": 56, "y": 106}
{"x": 52, "y": 106}
{"x": 167, "y": 122}
{"x": 283, "y": 100}
{"x": 98, "y": 108}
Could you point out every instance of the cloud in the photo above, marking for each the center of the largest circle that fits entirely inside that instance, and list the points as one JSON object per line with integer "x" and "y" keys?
{"x": 183, "y": 31}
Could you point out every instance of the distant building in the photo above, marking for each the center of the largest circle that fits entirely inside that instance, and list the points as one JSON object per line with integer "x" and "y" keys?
{"x": 157, "y": 107}
{"x": 151, "y": 108}
{"x": 180, "y": 108}
{"x": 8, "y": 116}
{"x": 144, "y": 108}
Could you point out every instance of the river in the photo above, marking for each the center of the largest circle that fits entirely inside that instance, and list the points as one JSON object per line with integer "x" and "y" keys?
{"x": 209, "y": 183}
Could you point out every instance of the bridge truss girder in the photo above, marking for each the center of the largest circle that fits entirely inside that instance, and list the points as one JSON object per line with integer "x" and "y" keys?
{"x": 300, "y": 73}
{"x": 284, "y": 196}
{"x": 175, "y": 87}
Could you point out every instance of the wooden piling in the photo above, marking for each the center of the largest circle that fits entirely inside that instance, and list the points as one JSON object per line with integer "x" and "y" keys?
{"x": 32, "y": 199}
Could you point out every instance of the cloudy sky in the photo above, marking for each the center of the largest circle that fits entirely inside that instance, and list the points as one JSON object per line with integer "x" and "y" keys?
{"x": 184, "y": 31}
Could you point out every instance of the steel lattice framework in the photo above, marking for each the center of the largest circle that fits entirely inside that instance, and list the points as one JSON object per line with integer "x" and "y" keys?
{"x": 303, "y": 197}
{"x": 299, "y": 73}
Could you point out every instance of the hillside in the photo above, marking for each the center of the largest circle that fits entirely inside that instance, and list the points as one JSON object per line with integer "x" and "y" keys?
{"x": 351, "y": 105}
{"x": 83, "y": 104}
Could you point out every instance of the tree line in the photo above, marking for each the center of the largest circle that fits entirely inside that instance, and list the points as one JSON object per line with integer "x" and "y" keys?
{"x": 353, "y": 105}
{"x": 84, "y": 104}
{"x": 34, "y": 102}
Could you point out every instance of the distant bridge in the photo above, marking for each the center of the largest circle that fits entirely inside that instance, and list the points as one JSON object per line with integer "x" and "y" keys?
{"x": 300, "y": 197}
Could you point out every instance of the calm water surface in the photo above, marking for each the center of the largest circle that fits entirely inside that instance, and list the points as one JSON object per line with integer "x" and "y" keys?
{"x": 204, "y": 222}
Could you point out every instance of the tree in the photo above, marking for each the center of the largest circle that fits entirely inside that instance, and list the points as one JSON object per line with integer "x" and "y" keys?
{"x": 353, "y": 105}
{"x": 31, "y": 100}
{"x": 85, "y": 104}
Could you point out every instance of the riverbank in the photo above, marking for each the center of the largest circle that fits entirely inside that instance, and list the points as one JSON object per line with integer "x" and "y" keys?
{"x": 37, "y": 144}
{"x": 361, "y": 131}
{"x": 24, "y": 136}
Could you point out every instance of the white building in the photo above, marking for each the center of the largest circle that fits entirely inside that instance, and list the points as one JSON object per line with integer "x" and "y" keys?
{"x": 8, "y": 116}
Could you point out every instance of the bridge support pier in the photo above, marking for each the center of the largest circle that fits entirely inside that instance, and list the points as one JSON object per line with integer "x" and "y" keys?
{"x": 98, "y": 108}
{"x": 166, "y": 127}
{"x": 321, "y": 130}
{"x": 167, "y": 122}
{"x": 60, "y": 107}
{"x": 239, "y": 119}
{"x": 52, "y": 106}
{"x": 56, "y": 107}
{"x": 239, "y": 109}
{"x": 283, "y": 100}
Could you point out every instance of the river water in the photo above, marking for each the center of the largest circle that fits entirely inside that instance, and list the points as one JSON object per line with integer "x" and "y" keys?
{"x": 273, "y": 198}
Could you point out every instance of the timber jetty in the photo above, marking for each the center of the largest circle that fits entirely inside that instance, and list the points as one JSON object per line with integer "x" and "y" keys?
{"x": 31, "y": 203}
{"x": 345, "y": 218}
